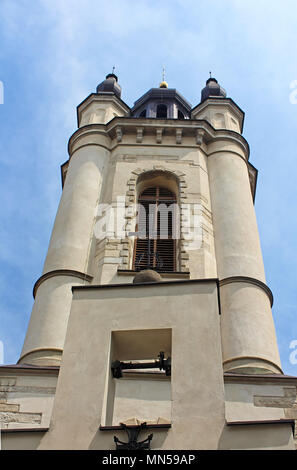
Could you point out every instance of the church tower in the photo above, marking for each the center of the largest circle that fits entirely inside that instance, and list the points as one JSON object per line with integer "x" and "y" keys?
{"x": 152, "y": 309}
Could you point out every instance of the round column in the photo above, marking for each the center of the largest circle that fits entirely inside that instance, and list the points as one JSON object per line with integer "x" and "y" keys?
{"x": 67, "y": 259}
{"x": 248, "y": 336}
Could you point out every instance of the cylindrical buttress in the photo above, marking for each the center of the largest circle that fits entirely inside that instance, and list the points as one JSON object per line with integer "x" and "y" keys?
{"x": 248, "y": 335}
{"x": 68, "y": 254}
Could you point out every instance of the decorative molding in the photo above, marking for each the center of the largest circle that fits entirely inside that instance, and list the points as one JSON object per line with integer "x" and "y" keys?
{"x": 119, "y": 134}
{"x": 265, "y": 422}
{"x": 130, "y": 198}
{"x": 199, "y": 136}
{"x": 35, "y": 350}
{"x": 139, "y": 135}
{"x": 252, "y": 358}
{"x": 159, "y": 132}
{"x": 248, "y": 280}
{"x": 179, "y": 133}
{"x": 129, "y": 126}
{"x": 272, "y": 378}
{"x": 13, "y": 430}
{"x": 60, "y": 272}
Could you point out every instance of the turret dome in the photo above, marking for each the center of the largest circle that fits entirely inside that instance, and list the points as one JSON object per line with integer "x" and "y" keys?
{"x": 110, "y": 85}
{"x": 212, "y": 88}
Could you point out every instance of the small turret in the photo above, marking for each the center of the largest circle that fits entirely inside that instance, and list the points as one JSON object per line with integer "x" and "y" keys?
{"x": 212, "y": 89}
{"x": 110, "y": 85}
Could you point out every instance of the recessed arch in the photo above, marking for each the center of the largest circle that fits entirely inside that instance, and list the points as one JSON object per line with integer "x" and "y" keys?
{"x": 140, "y": 179}
{"x": 161, "y": 111}
{"x": 161, "y": 178}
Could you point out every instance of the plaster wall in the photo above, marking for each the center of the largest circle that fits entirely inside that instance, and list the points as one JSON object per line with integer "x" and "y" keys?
{"x": 197, "y": 390}
{"x": 26, "y": 399}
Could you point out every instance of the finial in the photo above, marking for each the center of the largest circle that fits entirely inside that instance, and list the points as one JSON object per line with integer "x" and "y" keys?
{"x": 209, "y": 74}
{"x": 112, "y": 74}
{"x": 163, "y": 84}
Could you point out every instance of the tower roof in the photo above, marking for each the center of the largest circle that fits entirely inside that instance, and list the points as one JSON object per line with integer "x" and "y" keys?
{"x": 163, "y": 94}
{"x": 110, "y": 85}
{"x": 212, "y": 88}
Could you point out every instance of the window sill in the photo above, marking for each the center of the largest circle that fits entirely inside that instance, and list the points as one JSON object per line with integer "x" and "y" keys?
{"x": 122, "y": 428}
{"x": 165, "y": 274}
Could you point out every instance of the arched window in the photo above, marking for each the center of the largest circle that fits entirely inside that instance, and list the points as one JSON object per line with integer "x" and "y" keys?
{"x": 155, "y": 247}
{"x": 161, "y": 111}
{"x": 143, "y": 113}
{"x": 180, "y": 115}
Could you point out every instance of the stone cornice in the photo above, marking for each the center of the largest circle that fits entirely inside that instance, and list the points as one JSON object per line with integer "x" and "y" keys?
{"x": 28, "y": 369}
{"x": 119, "y": 128}
{"x": 279, "y": 379}
{"x": 266, "y": 422}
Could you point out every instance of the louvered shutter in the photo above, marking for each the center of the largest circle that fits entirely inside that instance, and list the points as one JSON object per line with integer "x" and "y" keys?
{"x": 155, "y": 245}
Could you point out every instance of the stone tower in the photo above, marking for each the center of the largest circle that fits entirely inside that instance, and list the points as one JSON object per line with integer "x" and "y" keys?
{"x": 153, "y": 306}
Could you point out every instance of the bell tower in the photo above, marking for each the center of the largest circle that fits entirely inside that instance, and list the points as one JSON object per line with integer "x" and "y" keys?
{"x": 153, "y": 306}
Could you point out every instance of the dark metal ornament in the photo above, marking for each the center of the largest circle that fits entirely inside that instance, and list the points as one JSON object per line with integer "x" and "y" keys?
{"x": 133, "y": 433}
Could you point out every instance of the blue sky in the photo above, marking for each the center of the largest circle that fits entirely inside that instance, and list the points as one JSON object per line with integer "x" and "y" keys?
{"x": 54, "y": 53}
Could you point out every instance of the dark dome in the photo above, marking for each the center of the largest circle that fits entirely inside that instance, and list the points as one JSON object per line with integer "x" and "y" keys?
{"x": 212, "y": 89}
{"x": 110, "y": 85}
{"x": 169, "y": 99}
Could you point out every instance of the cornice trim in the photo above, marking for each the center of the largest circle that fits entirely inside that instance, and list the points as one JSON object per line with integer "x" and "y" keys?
{"x": 266, "y": 422}
{"x": 84, "y": 131}
{"x": 248, "y": 280}
{"x": 34, "y": 350}
{"x": 23, "y": 430}
{"x": 60, "y": 272}
{"x": 233, "y": 377}
{"x": 188, "y": 127}
{"x": 253, "y": 358}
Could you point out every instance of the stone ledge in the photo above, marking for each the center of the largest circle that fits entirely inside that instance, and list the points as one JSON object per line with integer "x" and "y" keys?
{"x": 60, "y": 272}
